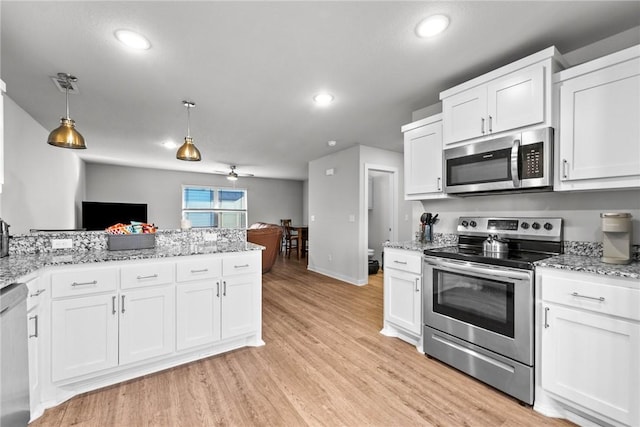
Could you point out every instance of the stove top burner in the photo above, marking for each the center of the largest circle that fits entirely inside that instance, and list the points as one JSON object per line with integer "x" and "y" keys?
{"x": 514, "y": 259}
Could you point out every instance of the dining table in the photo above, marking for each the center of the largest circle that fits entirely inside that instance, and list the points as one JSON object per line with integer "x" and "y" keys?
{"x": 303, "y": 235}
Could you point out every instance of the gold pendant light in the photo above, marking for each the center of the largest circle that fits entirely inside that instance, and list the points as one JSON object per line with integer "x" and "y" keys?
{"x": 188, "y": 150}
{"x": 66, "y": 135}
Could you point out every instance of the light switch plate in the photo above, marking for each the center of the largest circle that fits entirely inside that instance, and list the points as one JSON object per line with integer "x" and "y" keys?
{"x": 61, "y": 243}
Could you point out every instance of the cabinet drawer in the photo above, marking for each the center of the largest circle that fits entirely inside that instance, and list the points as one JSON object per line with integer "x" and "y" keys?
{"x": 141, "y": 275}
{"x": 83, "y": 281}
{"x": 197, "y": 269}
{"x": 585, "y": 292}
{"x": 403, "y": 260}
{"x": 241, "y": 264}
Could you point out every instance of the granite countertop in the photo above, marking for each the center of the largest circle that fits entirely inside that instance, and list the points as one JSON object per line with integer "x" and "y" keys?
{"x": 16, "y": 266}
{"x": 417, "y": 246}
{"x": 590, "y": 264}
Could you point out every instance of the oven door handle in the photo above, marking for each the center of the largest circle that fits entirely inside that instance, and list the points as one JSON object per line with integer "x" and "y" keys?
{"x": 515, "y": 158}
{"x": 455, "y": 266}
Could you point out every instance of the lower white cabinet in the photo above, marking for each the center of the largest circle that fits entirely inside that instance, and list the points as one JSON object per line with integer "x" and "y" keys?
{"x": 403, "y": 295}
{"x": 590, "y": 345}
{"x": 239, "y": 305}
{"x": 198, "y": 313}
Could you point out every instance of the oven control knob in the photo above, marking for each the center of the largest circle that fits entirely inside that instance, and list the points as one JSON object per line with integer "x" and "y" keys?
{"x": 473, "y": 223}
{"x": 535, "y": 226}
{"x": 524, "y": 225}
{"x": 548, "y": 226}
{"x": 465, "y": 224}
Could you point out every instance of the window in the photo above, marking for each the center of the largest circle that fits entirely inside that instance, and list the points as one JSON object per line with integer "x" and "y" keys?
{"x": 214, "y": 207}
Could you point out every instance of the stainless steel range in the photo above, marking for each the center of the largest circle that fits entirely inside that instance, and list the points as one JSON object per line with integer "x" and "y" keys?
{"x": 479, "y": 299}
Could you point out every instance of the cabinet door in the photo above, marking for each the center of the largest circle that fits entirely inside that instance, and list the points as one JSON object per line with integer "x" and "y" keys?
{"x": 84, "y": 336}
{"x": 403, "y": 299}
{"x": 423, "y": 161}
{"x": 198, "y": 313}
{"x": 516, "y": 100}
{"x": 599, "y": 126}
{"x": 239, "y": 305}
{"x": 464, "y": 115}
{"x": 592, "y": 360}
{"x": 34, "y": 321}
{"x": 147, "y": 323}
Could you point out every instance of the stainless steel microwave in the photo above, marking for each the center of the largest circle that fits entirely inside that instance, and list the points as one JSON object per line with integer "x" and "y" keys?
{"x": 518, "y": 162}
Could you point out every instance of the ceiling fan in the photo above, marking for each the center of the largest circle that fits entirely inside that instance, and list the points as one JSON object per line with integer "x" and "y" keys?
{"x": 232, "y": 175}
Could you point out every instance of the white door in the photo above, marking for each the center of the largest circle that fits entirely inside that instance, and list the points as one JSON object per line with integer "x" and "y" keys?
{"x": 147, "y": 323}
{"x": 423, "y": 160}
{"x": 516, "y": 100}
{"x": 404, "y": 299}
{"x": 239, "y": 305}
{"x": 464, "y": 115}
{"x": 599, "y": 125}
{"x": 592, "y": 360}
{"x": 84, "y": 336}
{"x": 198, "y": 313}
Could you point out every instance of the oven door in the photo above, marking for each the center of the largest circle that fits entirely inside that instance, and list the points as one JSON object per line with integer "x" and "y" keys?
{"x": 489, "y": 306}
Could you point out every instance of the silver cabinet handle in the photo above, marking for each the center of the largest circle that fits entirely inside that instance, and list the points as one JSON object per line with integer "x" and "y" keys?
{"x": 490, "y": 124}
{"x": 565, "y": 168}
{"x": 439, "y": 183}
{"x": 241, "y": 266}
{"x": 113, "y": 304}
{"x": 577, "y": 295}
{"x": 93, "y": 282}
{"x": 38, "y": 292}
{"x": 546, "y": 317}
{"x": 224, "y": 288}
{"x": 400, "y": 262}
{"x": 417, "y": 284}
{"x": 35, "y": 331}
{"x": 482, "y": 125}
{"x": 204, "y": 270}
{"x": 218, "y": 289}
{"x": 122, "y": 311}
{"x": 153, "y": 276}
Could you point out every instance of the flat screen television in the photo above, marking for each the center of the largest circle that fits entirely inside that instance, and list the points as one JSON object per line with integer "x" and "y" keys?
{"x": 100, "y": 215}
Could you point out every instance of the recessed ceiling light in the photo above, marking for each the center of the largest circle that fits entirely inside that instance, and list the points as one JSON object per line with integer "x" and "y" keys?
{"x": 169, "y": 145}
{"x": 331, "y": 143}
{"x": 132, "y": 39}
{"x": 323, "y": 99}
{"x": 432, "y": 26}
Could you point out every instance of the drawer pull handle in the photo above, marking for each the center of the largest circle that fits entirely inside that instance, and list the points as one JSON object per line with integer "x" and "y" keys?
{"x": 37, "y": 293}
{"x": 204, "y": 270}
{"x": 546, "y": 317}
{"x": 577, "y": 295}
{"x": 400, "y": 262}
{"x": 93, "y": 282}
{"x": 35, "y": 331}
{"x": 241, "y": 266}
{"x": 153, "y": 276}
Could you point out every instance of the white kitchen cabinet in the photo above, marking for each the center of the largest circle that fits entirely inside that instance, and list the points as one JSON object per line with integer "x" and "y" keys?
{"x": 597, "y": 125}
{"x": 423, "y": 159}
{"x": 514, "y": 96}
{"x": 36, "y": 300}
{"x": 239, "y": 305}
{"x": 403, "y": 295}
{"x": 197, "y": 313}
{"x": 147, "y": 323}
{"x": 590, "y": 344}
{"x": 84, "y": 335}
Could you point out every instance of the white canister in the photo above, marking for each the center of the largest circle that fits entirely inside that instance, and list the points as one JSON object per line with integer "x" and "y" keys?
{"x": 185, "y": 224}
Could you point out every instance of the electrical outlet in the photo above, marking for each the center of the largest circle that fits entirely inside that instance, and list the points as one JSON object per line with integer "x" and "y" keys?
{"x": 330, "y": 258}
{"x": 61, "y": 243}
{"x": 210, "y": 237}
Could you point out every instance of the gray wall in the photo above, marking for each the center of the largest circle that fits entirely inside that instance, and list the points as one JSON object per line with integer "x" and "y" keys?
{"x": 43, "y": 184}
{"x": 269, "y": 200}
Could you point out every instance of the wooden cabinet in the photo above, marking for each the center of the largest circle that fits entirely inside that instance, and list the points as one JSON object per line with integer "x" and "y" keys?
{"x": 512, "y": 97}
{"x": 423, "y": 159}
{"x": 403, "y": 295}
{"x": 590, "y": 344}
{"x": 597, "y": 126}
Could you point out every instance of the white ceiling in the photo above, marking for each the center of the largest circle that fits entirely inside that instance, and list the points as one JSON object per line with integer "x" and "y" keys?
{"x": 253, "y": 67}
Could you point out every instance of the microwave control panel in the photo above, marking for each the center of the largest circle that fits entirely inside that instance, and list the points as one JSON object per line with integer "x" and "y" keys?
{"x": 532, "y": 161}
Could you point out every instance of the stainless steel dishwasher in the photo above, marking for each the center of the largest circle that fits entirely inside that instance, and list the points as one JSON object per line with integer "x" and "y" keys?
{"x": 14, "y": 360}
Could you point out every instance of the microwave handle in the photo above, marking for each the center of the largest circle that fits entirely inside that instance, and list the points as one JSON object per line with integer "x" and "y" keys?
{"x": 515, "y": 151}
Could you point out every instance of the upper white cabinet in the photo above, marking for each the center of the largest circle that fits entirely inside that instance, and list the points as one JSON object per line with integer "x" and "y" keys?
{"x": 514, "y": 96}
{"x": 598, "y": 125}
{"x": 423, "y": 159}
{"x": 3, "y": 89}
{"x": 590, "y": 344}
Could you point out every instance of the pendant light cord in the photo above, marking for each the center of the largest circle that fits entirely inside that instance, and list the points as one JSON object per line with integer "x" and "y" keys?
{"x": 66, "y": 86}
{"x": 188, "y": 120}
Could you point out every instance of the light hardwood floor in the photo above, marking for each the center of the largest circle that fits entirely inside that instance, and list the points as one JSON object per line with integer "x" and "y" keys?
{"x": 324, "y": 364}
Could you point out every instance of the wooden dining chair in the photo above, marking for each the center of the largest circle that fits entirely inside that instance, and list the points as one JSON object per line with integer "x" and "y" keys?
{"x": 291, "y": 241}
{"x": 287, "y": 235}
